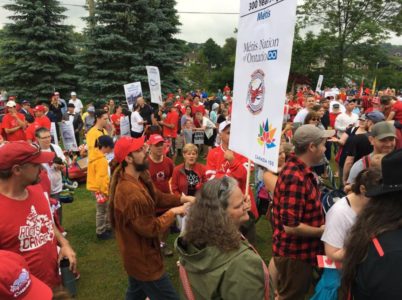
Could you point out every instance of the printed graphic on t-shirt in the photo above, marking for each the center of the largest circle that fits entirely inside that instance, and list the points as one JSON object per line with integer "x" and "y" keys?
{"x": 160, "y": 176}
{"x": 37, "y": 231}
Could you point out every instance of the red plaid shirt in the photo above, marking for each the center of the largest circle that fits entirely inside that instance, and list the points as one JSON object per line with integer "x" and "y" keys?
{"x": 296, "y": 200}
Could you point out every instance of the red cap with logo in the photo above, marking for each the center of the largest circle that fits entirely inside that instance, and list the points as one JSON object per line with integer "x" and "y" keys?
{"x": 155, "y": 139}
{"x": 16, "y": 282}
{"x": 22, "y": 152}
{"x": 40, "y": 108}
{"x": 125, "y": 145}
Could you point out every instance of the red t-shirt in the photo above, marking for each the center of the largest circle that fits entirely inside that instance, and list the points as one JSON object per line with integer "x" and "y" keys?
{"x": 171, "y": 118}
{"x": 43, "y": 122}
{"x": 26, "y": 228}
{"x": 161, "y": 173}
{"x": 30, "y": 132}
{"x": 116, "y": 122}
{"x": 397, "y": 108}
{"x": 332, "y": 117}
{"x": 10, "y": 122}
{"x": 200, "y": 108}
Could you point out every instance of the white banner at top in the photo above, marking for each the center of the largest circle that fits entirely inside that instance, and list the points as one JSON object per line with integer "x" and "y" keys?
{"x": 263, "y": 56}
{"x": 154, "y": 82}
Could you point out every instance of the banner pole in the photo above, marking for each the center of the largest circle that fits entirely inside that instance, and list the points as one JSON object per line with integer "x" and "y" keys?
{"x": 248, "y": 177}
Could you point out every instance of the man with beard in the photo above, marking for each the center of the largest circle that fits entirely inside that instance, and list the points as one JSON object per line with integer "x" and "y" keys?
{"x": 26, "y": 225}
{"x": 133, "y": 201}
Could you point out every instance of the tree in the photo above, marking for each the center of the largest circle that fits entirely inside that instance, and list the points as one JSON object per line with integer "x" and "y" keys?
{"x": 352, "y": 22}
{"x": 212, "y": 53}
{"x": 37, "y": 52}
{"x": 125, "y": 37}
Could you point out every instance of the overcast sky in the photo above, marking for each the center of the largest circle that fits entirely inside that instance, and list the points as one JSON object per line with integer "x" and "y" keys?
{"x": 195, "y": 27}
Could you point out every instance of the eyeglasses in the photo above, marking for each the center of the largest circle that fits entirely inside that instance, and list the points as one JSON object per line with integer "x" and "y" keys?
{"x": 45, "y": 137}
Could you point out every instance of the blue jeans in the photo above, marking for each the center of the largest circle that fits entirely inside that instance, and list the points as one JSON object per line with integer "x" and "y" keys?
{"x": 161, "y": 289}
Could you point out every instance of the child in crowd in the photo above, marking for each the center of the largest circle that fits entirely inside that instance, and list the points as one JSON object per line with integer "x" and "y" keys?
{"x": 98, "y": 182}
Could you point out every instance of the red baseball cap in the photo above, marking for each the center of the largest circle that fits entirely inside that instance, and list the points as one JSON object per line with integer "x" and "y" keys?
{"x": 22, "y": 152}
{"x": 16, "y": 282}
{"x": 125, "y": 145}
{"x": 40, "y": 108}
{"x": 155, "y": 139}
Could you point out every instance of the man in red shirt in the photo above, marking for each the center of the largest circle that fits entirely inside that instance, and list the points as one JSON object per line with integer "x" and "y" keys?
{"x": 298, "y": 221}
{"x": 170, "y": 126}
{"x": 394, "y": 106}
{"x": 14, "y": 123}
{"x": 224, "y": 162}
{"x": 161, "y": 170}
{"x": 26, "y": 225}
{"x": 40, "y": 119}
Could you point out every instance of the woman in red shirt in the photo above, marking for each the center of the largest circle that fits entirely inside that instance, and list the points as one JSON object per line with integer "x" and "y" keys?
{"x": 189, "y": 176}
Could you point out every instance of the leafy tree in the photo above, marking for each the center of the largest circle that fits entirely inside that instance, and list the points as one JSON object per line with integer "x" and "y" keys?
{"x": 212, "y": 53}
{"x": 37, "y": 50}
{"x": 352, "y": 22}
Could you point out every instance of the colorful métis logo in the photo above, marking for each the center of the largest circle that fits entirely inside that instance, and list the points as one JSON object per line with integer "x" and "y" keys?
{"x": 266, "y": 135}
{"x": 256, "y": 92}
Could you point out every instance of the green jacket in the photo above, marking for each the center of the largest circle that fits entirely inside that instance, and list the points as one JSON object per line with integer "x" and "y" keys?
{"x": 216, "y": 275}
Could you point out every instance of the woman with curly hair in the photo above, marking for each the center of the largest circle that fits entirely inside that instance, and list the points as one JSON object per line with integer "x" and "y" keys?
{"x": 372, "y": 265}
{"x": 215, "y": 259}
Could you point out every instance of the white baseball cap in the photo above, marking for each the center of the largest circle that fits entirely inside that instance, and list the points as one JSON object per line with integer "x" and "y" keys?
{"x": 223, "y": 125}
{"x": 73, "y": 94}
{"x": 11, "y": 103}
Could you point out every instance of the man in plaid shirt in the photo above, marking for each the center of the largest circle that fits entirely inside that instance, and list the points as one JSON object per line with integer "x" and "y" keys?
{"x": 297, "y": 214}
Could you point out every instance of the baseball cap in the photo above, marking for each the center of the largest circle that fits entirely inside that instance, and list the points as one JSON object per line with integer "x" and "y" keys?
{"x": 11, "y": 103}
{"x": 375, "y": 116}
{"x": 155, "y": 139}
{"x": 40, "y": 108}
{"x": 25, "y": 102}
{"x": 336, "y": 106}
{"x": 73, "y": 94}
{"x": 125, "y": 145}
{"x": 223, "y": 125}
{"x": 56, "y": 93}
{"x": 21, "y": 152}
{"x": 71, "y": 105}
{"x": 91, "y": 109}
{"x": 382, "y": 130}
{"x": 16, "y": 282}
{"x": 307, "y": 134}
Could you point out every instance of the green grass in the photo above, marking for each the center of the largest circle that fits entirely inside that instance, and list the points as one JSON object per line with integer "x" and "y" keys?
{"x": 99, "y": 262}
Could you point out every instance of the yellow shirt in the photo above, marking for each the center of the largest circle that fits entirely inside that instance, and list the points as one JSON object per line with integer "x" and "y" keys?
{"x": 92, "y": 136}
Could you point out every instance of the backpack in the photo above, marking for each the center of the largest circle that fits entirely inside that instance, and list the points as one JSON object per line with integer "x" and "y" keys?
{"x": 330, "y": 197}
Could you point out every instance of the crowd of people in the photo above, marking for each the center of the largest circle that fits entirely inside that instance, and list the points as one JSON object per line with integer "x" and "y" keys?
{"x": 155, "y": 169}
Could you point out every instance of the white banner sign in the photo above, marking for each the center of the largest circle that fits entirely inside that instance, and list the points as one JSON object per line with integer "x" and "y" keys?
{"x": 263, "y": 55}
{"x": 125, "y": 126}
{"x": 319, "y": 83}
{"x": 154, "y": 81}
{"x": 132, "y": 91}
{"x": 67, "y": 134}
{"x": 53, "y": 133}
